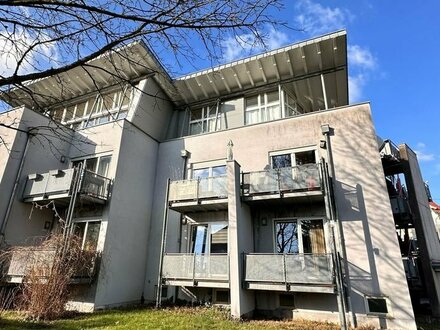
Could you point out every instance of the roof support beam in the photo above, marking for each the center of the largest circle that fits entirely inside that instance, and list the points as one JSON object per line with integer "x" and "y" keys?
{"x": 237, "y": 80}
{"x": 191, "y": 90}
{"x": 201, "y": 87}
{"x": 274, "y": 63}
{"x": 289, "y": 63}
{"x": 248, "y": 72}
{"x": 211, "y": 81}
{"x": 262, "y": 70}
{"x": 225, "y": 82}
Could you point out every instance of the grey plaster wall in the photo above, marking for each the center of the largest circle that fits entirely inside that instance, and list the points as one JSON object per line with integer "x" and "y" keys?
{"x": 126, "y": 244}
{"x": 152, "y": 110}
{"x": 370, "y": 238}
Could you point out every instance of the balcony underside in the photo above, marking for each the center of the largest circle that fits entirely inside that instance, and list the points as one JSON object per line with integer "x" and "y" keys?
{"x": 289, "y": 197}
{"x": 63, "y": 199}
{"x": 202, "y": 205}
{"x": 291, "y": 287}
{"x": 202, "y": 283}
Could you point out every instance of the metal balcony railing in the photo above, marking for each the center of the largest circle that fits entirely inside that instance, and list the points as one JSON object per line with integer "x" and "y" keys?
{"x": 59, "y": 183}
{"x": 19, "y": 263}
{"x": 95, "y": 185}
{"x": 195, "y": 189}
{"x": 287, "y": 179}
{"x": 289, "y": 268}
{"x": 195, "y": 267}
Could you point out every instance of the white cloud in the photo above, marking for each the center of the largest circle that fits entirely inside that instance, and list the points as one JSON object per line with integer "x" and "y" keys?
{"x": 356, "y": 84}
{"x": 246, "y": 44}
{"x": 13, "y": 47}
{"x": 361, "y": 57}
{"x": 422, "y": 154}
{"x": 316, "y": 19}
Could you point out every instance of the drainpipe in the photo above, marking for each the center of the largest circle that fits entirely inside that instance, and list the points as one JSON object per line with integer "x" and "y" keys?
{"x": 326, "y": 131}
{"x": 162, "y": 247}
{"x": 14, "y": 189}
{"x": 185, "y": 155}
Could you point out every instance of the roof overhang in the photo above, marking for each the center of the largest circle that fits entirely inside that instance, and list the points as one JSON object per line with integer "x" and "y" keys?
{"x": 300, "y": 64}
{"x": 129, "y": 63}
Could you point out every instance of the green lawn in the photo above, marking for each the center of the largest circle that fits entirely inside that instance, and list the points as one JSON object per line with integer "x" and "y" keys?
{"x": 143, "y": 318}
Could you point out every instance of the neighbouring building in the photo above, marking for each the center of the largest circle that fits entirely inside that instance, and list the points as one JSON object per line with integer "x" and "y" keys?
{"x": 253, "y": 184}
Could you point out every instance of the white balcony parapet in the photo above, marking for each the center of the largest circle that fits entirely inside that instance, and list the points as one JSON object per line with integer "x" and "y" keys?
{"x": 281, "y": 180}
{"x": 17, "y": 264}
{"x": 195, "y": 267}
{"x": 57, "y": 184}
{"x": 196, "y": 189}
{"x": 289, "y": 269}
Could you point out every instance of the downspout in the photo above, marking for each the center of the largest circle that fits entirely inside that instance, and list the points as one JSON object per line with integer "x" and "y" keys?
{"x": 326, "y": 130}
{"x": 162, "y": 247}
{"x": 184, "y": 155}
{"x": 14, "y": 189}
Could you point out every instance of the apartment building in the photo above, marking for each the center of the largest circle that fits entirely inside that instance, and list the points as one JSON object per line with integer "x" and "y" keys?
{"x": 254, "y": 184}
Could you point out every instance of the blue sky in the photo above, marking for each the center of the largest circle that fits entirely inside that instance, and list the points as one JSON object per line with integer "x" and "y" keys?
{"x": 393, "y": 49}
{"x": 394, "y": 52}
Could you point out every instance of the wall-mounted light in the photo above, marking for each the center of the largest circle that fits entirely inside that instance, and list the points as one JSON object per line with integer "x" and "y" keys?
{"x": 322, "y": 144}
{"x": 264, "y": 221}
{"x": 63, "y": 159}
{"x": 184, "y": 153}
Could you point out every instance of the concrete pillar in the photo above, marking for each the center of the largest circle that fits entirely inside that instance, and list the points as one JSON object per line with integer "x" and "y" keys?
{"x": 240, "y": 241}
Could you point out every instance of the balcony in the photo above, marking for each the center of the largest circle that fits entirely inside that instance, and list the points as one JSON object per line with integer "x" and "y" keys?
{"x": 201, "y": 270}
{"x": 58, "y": 185}
{"x": 20, "y": 262}
{"x": 288, "y": 182}
{"x": 289, "y": 272}
{"x": 202, "y": 194}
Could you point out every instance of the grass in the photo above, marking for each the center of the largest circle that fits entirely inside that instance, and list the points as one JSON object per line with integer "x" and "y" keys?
{"x": 170, "y": 318}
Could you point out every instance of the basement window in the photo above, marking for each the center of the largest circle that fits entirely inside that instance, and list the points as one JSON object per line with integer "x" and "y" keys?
{"x": 286, "y": 300}
{"x": 221, "y": 297}
{"x": 377, "y": 305}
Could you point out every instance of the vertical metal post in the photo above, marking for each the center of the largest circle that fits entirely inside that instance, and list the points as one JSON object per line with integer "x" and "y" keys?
{"x": 162, "y": 247}
{"x": 197, "y": 189}
{"x": 284, "y": 270}
{"x": 324, "y": 92}
{"x": 194, "y": 268}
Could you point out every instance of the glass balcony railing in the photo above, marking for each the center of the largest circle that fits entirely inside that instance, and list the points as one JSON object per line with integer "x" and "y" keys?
{"x": 287, "y": 179}
{"x": 301, "y": 269}
{"x": 18, "y": 263}
{"x": 196, "y": 189}
{"x": 196, "y": 267}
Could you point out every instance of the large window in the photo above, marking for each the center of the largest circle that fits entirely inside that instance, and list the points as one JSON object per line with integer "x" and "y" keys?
{"x": 209, "y": 238}
{"x": 98, "y": 109}
{"x": 262, "y": 107}
{"x": 206, "y": 119}
{"x": 98, "y": 165}
{"x": 299, "y": 236}
{"x": 88, "y": 233}
{"x": 292, "y": 158}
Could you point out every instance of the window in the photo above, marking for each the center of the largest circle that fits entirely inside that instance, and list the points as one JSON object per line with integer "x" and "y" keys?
{"x": 98, "y": 165}
{"x": 262, "y": 107}
{"x": 204, "y": 120}
{"x": 293, "y": 158}
{"x": 221, "y": 296}
{"x": 98, "y": 109}
{"x": 291, "y": 107}
{"x": 88, "y": 233}
{"x": 299, "y": 236}
{"x": 377, "y": 305}
{"x": 286, "y": 300}
{"x": 209, "y": 238}
{"x": 206, "y": 172}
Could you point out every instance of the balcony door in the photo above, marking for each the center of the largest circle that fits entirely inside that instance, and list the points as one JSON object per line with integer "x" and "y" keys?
{"x": 209, "y": 238}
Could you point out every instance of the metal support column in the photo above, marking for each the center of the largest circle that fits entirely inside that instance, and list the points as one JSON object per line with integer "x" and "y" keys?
{"x": 162, "y": 247}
